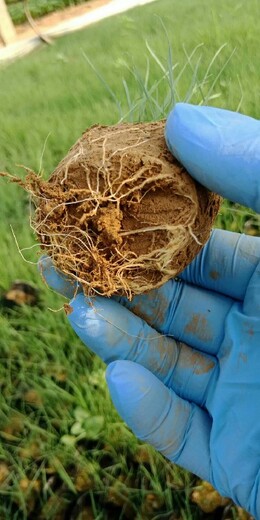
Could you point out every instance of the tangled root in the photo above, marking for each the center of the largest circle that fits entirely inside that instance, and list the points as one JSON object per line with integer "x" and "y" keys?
{"x": 119, "y": 214}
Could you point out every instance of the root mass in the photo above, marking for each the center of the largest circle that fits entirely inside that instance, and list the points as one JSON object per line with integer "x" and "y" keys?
{"x": 119, "y": 214}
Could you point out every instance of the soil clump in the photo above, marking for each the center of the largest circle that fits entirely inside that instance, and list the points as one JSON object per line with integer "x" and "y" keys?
{"x": 120, "y": 214}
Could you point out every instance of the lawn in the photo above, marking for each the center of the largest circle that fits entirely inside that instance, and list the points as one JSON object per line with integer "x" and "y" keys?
{"x": 64, "y": 451}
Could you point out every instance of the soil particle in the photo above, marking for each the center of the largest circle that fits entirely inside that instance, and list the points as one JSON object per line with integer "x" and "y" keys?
{"x": 68, "y": 308}
{"x": 214, "y": 275}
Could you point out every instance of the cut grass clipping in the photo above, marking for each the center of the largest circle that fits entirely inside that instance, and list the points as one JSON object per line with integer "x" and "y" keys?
{"x": 120, "y": 215}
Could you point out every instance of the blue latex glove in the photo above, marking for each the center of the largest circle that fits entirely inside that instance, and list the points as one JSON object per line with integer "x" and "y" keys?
{"x": 186, "y": 377}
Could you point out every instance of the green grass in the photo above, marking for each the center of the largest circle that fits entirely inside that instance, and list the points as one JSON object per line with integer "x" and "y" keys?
{"x": 37, "y": 8}
{"x": 52, "y": 387}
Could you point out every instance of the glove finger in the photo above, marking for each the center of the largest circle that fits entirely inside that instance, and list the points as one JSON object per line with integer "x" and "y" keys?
{"x": 219, "y": 148}
{"x": 58, "y": 281}
{"x": 170, "y": 309}
{"x": 113, "y": 333}
{"x": 251, "y": 306}
{"x": 189, "y": 313}
{"x": 158, "y": 416}
{"x": 225, "y": 264}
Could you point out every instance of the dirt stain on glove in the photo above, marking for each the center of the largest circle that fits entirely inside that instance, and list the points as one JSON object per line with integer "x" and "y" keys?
{"x": 190, "y": 357}
{"x": 198, "y": 326}
{"x": 67, "y": 308}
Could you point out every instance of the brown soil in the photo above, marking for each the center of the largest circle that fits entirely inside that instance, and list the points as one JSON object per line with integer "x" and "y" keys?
{"x": 119, "y": 213}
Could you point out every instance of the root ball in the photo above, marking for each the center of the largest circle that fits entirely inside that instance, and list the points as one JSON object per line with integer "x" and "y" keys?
{"x": 119, "y": 213}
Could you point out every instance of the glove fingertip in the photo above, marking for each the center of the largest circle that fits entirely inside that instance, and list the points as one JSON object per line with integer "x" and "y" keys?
{"x": 56, "y": 280}
{"x": 173, "y": 128}
{"x": 119, "y": 376}
{"x": 79, "y": 309}
{"x": 129, "y": 383}
{"x": 44, "y": 262}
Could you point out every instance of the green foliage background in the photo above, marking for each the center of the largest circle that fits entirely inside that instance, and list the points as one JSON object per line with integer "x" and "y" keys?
{"x": 52, "y": 387}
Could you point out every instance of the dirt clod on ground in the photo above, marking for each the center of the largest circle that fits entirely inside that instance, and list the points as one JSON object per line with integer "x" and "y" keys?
{"x": 119, "y": 214}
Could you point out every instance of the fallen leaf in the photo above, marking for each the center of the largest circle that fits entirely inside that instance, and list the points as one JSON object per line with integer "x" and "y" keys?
{"x": 21, "y": 293}
{"x": 4, "y": 472}
{"x": 207, "y": 498}
{"x": 33, "y": 397}
{"x": 83, "y": 481}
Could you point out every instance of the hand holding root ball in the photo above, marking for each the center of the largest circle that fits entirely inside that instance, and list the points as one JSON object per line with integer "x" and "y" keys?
{"x": 184, "y": 359}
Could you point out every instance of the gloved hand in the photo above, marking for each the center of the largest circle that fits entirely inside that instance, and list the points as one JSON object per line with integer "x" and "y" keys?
{"x": 186, "y": 377}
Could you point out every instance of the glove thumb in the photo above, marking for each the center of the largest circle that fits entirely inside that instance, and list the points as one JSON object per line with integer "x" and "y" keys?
{"x": 219, "y": 148}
